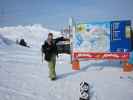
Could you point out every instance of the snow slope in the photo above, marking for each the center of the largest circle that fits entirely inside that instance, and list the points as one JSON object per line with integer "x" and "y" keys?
{"x": 5, "y": 41}
{"x": 24, "y": 77}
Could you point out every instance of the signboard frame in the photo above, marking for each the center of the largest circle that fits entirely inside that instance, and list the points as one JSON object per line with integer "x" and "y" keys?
{"x": 120, "y": 55}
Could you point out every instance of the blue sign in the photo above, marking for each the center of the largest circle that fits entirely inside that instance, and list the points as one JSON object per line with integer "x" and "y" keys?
{"x": 120, "y": 36}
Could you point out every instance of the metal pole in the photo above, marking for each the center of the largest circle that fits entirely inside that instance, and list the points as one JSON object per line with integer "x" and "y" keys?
{"x": 71, "y": 25}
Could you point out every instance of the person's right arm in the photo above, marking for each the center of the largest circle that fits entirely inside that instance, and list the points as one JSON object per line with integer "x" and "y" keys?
{"x": 44, "y": 47}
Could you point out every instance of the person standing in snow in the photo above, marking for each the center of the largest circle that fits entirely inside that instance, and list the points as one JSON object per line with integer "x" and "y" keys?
{"x": 49, "y": 48}
{"x": 23, "y": 43}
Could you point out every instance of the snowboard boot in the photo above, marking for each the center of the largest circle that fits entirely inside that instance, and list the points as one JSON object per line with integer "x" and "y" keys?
{"x": 53, "y": 78}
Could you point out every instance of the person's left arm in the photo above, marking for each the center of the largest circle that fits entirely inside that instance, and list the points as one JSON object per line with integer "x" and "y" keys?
{"x": 61, "y": 39}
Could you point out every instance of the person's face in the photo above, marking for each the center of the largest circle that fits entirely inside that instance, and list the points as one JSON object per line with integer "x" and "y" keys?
{"x": 50, "y": 37}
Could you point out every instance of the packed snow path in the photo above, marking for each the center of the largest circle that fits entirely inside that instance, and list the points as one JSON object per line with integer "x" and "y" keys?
{"x": 24, "y": 77}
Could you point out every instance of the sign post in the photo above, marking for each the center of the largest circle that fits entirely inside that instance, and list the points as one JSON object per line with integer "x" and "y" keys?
{"x": 71, "y": 30}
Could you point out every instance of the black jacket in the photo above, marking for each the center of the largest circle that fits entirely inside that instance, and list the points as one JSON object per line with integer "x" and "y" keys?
{"x": 23, "y": 43}
{"x": 50, "y": 50}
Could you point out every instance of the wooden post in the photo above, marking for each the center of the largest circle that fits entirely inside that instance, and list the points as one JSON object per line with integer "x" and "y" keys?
{"x": 75, "y": 62}
{"x": 75, "y": 65}
{"x": 127, "y": 67}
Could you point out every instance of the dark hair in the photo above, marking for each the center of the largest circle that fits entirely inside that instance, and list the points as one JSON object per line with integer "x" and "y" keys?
{"x": 50, "y": 34}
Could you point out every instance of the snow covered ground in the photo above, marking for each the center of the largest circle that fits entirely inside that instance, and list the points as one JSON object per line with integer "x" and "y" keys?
{"x": 24, "y": 77}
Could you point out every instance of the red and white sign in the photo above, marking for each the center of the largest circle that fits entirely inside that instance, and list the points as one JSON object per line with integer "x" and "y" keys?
{"x": 101, "y": 55}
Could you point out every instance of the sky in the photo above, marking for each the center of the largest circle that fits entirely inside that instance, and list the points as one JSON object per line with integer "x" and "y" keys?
{"x": 54, "y": 14}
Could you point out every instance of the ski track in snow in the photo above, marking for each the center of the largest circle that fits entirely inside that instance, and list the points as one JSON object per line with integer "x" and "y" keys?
{"x": 24, "y": 77}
